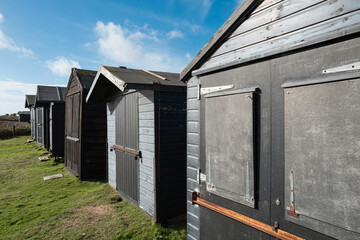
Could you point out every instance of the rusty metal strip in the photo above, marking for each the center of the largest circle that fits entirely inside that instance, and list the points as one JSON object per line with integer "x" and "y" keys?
{"x": 127, "y": 150}
{"x": 291, "y": 211}
{"x": 276, "y": 232}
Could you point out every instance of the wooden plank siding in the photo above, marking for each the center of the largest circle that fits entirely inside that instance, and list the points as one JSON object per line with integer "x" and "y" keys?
{"x": 285, "y": 26}
{"x": 170, "y": 118}
{"x": 193, "y": 157}
{"x": 93, "y": 136}
{"x": 147, "y": 148}
{"x": 111, "y": 137}
{"x": 85, "y": 153}
{"x": 57, "y": 128}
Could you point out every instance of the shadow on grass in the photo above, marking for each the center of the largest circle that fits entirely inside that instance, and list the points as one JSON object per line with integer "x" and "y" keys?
{"x": 179, "y": 224}
{"x": 58, "y": 161}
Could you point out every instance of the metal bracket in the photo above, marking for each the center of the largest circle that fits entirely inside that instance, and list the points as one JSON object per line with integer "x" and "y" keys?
{"x": 200, "y": 177}
{"x": 215, "y": 89}
{"x": 347, "y": 67}
{"x": 198, "y": 91}
{"x": 248, "y": 198}
{"x": 291, "y": 211}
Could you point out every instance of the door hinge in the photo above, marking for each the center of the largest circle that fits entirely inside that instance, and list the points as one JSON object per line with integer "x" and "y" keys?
{"x": 215, "y": 89}
{"x": 198, "y": 91}
{"x": 202, "y": 91}
{"x": 291, "y": 210}
{"x": 200, "y": 177}
{"x": 343, "y": 68}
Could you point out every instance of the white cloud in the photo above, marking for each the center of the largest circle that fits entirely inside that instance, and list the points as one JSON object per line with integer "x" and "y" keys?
{"x": 175, "y": 34}
{"x": 12, "y": 95}
{"x": 62, "y": 66}
{"x": 135, "y": 48}
{"x": 188, "y": 56}
{"x": 206, "y": 6}
{"x": 7, "y": 43}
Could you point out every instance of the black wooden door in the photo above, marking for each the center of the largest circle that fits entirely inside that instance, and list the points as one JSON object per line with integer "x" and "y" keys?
{"x": 72, "y": 132}
{"x": 127, "y": 136}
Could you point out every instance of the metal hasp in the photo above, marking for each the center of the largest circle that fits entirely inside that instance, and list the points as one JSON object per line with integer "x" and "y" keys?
{"x": 291, "y": 211}
{"x": 127, "y": 150}
{"x": 215, "y": 89}
{"x": 271, "y": 230}
{"x": 347, "y": 67}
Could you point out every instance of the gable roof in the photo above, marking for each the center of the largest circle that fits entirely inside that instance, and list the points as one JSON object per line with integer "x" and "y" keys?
{"x": 86, "y": 77}
{"x": 227, "y": 28}
{"x": 127, "y": 78}
{"x": 29, "y": 100}
{"x": 82, "y": 79}
{"x": 48, "y": 94}
{"x": 23, "y": 112}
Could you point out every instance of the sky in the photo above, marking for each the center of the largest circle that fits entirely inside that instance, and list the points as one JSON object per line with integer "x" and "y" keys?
{"x": 41, "y": 40}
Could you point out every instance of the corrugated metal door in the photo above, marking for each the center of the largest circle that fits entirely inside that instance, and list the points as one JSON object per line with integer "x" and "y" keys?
{"x": 32, "y": 119}
{"x": 127, "y": 136}
{"x": 51, "y": 112}
{"x": 40, "y": 120}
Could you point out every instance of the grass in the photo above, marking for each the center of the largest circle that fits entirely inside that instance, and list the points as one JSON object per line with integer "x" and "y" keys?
{"x": 65, "y": 208}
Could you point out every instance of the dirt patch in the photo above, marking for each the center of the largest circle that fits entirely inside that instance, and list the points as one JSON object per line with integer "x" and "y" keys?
{"x": 87, "y": 215}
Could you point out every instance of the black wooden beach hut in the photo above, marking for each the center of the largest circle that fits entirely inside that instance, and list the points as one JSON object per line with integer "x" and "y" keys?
{"x": 50, "y": 118}
{"x": 30, "y": 104}
{"x": 146, "y": 132}
{"x": 85, "y": 128}
{"x": 24, "y": 116}
{"x": 273, "y": 124}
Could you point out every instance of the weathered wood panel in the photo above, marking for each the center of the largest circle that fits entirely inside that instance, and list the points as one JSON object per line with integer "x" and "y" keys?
{"x": 321, "y": 153}
{"x": 147, "y": 148}
{"x": 111, "y": 136}
{"x": 193, "y": 161}
{"x": 317, "y": 23}
{"x": 301, "y": 15}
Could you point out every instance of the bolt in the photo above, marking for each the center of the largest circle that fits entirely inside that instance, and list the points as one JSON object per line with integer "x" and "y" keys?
{"x": 277, "y": 202}
{"x": 276, "y": 226}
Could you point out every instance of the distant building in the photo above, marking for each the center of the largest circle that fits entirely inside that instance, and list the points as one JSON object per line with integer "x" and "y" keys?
{"x": 30, "y": 104}
{"x": 24, "y": 116}
{"x": 50, "y": 118}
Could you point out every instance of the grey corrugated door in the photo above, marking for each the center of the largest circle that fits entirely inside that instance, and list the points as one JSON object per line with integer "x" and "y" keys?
{"x": 127, "y": 132}
{"x": 40, "y": 125}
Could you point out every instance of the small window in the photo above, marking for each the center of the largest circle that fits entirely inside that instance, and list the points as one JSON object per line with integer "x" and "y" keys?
{"x": 229, "y": 145}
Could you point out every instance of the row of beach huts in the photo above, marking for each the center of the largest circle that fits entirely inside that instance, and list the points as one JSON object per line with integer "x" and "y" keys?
{"x": 257, "y": 138}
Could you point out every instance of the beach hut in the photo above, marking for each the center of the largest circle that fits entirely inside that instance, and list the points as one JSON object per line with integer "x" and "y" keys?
{"x": 30, "y": 104}
{"x": 50, "y": 118}
{"x": 146, "y": 131}
{"x": 273, "y": 124}
{"x": 85, "y": 128}
{"x": 24, "y": 116}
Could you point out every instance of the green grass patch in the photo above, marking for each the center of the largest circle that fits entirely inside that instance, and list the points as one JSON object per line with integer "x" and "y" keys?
{"x": 65, "y": 208}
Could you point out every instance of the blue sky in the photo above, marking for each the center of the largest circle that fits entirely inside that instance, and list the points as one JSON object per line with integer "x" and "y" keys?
{"x": 41, "y": 40}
